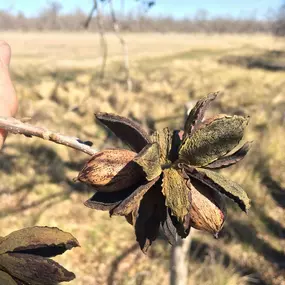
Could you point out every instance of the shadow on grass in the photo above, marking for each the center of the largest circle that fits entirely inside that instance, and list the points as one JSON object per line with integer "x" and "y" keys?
{"x": 49, "y": 168}
{"x": 270, "y": 60}
{"x": 277, "y": 192}
{"x": 115, "y": 264}
{"x": 247, "y": 234}
{"x": 200, "y": 251}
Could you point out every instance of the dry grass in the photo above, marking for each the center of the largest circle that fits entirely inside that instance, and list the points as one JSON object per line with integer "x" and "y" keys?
{"x": 52, "y": 75}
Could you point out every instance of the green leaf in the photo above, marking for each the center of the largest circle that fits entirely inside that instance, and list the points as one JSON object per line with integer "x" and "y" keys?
{"x": 213, "y": 140}
{"x": 44, "y": 241}
{"x": 164, "y": 139}
{"x": 229, "y": 160}
{"x": 148, "y": 160}
{"x": 196, "y": 115}
{"x": 177, "y": 195}
{"x": 6, "y": 279}
{"x": 131, "y": 202}
{"x": 219, "y": 183}
{"x": 127, "y": 130}
{"x": 34, "y": 270}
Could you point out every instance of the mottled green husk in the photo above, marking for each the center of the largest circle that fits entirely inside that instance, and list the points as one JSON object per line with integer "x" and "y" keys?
{"x": 213, "y": 140}
{"x": 176, "y": 193}
{"x": 148, "y": 160}
{"x": 164, "y": 139}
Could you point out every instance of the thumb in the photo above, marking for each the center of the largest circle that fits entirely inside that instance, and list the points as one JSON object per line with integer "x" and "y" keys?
{"x": 5, "y": 53}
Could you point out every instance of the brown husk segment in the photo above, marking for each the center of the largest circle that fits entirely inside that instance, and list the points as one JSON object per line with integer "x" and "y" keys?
{"x": 168, "y": 228}
{"x": 208, "y": 209}
{"x": 107, "y": 201}
{"x": 196, "y": 115}
{"x": 125, "y": 129}
{"x": 213, "y": 140}
{"x": 219, "y": 183}
{"x": 38, "y": 239}
{"x": 129, "y": 204}
{"x": 229, "y": 160}
{"x": 111, "y": 170}
{"x": 33, "y": 269}
{"x": 148, "y": 216}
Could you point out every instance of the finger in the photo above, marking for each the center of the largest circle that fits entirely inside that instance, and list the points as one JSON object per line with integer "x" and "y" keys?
{"x": 8, "y": 100}
{"x": 5, "y": 52}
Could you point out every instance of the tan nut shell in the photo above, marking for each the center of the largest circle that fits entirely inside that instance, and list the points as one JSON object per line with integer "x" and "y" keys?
{"x": 208, "y": 209}
{"x": 111, "y": 170}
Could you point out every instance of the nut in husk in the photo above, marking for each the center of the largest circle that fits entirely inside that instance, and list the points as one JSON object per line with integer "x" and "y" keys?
{"x": 208, "y": 209}
{"x": 111, "y": 170}
{"x": 170, "y": 179}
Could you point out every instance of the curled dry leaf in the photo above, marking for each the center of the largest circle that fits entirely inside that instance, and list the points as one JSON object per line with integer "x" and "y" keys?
{"x": 24, "y": 256}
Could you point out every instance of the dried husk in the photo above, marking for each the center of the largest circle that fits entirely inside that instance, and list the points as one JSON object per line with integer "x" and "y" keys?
{"x": 208, "y": 209}
{"x": 111, "y": 170}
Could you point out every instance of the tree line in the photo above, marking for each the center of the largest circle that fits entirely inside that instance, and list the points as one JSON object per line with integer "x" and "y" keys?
{"x": 51, "y": 18}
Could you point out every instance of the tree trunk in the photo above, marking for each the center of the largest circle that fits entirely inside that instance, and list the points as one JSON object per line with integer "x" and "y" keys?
{"x": 179, "y": 262}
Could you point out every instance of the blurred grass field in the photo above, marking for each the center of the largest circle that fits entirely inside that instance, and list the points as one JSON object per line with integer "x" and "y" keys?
{"x": 56, "y": 76}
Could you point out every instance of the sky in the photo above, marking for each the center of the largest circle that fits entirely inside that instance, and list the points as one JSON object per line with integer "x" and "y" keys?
{"x": 175, "y": 8}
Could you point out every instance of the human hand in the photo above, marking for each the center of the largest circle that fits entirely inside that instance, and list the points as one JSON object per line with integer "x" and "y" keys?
{"x": 8, "y": 99}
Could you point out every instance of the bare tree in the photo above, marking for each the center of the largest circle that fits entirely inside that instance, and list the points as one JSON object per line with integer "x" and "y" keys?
{"x": 103, "y": 42}
{"x": 279, "y": 24}
{"x": 117, "y": 31}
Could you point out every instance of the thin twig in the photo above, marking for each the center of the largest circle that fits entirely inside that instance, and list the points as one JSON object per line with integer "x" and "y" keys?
{"x": 103, "y": 42}
{"x": 117, "y": 31}
{"x": 17, "y": 127}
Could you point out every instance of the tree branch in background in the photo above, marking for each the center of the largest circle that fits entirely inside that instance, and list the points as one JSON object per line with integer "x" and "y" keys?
{"x": 117, "y": 31}
{"x": 17, "y": 127}
{"x": 103, "y": 42}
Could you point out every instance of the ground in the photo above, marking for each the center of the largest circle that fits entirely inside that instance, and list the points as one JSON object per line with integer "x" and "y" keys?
{"x": 57, "y": 79}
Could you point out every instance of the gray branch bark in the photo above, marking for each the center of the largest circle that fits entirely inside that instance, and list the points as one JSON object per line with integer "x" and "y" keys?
{"x": 17, "y": 127}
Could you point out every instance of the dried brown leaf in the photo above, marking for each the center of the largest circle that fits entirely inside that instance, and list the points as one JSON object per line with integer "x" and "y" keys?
{"x": 44, "y": 241}
{"x": 33, "y": 269}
